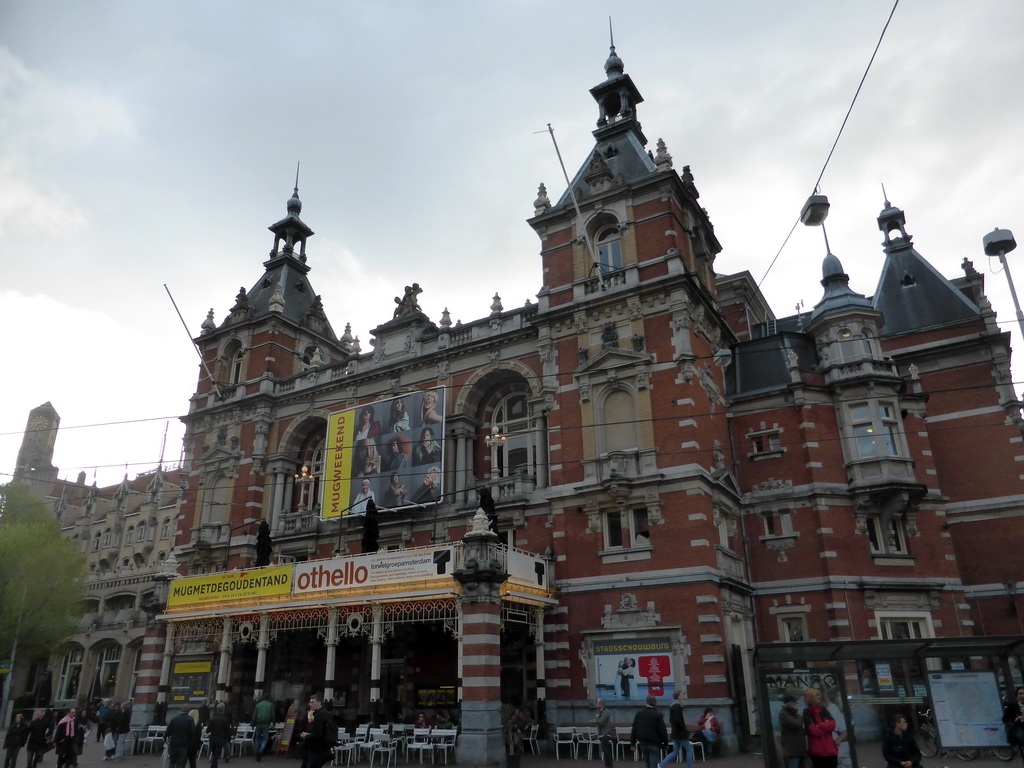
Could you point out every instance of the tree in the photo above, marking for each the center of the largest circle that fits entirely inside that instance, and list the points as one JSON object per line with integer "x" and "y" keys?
{"x": 42, "y": 577}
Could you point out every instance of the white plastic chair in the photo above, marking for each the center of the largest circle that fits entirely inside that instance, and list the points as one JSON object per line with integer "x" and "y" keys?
{"x": 420, "y": 742}
{"x": 565, "y": 736}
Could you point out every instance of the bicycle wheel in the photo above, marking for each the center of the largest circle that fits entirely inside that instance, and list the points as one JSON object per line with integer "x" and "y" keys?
{"x": 1004, "y": 753}
{"x": 967, "y": 754}
{"x": 929, "y": 744}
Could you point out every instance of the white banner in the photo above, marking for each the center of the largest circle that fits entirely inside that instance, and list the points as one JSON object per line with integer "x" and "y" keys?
{"x": 401, "y": 568}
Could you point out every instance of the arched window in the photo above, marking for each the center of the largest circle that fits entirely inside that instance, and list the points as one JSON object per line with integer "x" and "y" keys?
{"x": 233, "y": 362}
{"x": 307, "y": 495}
{"x": 216, "y": 504}
{"x": 129, "y": 537}
{"x": 511, "y": 420}
{"x": 96, "y": 542}
{"x": 141, "y": 531}
{"x": 106, "y": 537}
{"x": 165, "y": 529}
{"x": 609, "y": 250}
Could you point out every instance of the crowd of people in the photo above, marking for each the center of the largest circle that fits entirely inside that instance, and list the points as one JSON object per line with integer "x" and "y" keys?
{"x": 66, "y": 735}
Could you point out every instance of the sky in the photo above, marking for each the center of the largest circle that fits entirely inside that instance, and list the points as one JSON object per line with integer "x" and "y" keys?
{"x": 152, "y": 144}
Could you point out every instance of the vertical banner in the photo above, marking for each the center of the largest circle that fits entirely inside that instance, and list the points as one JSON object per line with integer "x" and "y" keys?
{"x": 629, "y": 670}
{"x": 390, "y": 451}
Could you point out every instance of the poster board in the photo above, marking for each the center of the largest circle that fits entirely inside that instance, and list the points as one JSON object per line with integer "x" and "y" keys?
{"x": 629, "y": 670}
{"x": 391, "y": 451}
{"x": 288, "y": 731}
{"x": 967, "y": 709}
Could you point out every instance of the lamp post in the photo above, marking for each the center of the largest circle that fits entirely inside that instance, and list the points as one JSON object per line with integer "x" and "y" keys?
{"x": 494, "y": 441}
{"x": 1000, "y": 242}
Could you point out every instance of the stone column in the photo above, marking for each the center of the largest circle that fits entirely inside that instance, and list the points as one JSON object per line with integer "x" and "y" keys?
{"x": 376, "y": 639}
{"x": 223, "y": 669}
{"x": 481, "y": 575}
{"x": 332, "y": 651}
{"x": 165, "y": 677}
{"x": 262, "y": 644}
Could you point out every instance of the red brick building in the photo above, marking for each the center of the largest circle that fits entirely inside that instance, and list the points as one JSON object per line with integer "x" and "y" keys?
{"x": 677, "y": 474}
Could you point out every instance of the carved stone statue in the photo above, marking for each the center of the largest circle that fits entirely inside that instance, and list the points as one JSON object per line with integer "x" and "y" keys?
{"x": 408, "y": 304}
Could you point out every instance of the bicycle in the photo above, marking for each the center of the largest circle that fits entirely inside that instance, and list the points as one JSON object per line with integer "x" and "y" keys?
{"x": 929, "y": 738}
{"x": 1005, "y": 754}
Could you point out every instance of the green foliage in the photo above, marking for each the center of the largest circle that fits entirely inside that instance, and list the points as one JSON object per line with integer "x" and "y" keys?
{"x": 42, "y": 577}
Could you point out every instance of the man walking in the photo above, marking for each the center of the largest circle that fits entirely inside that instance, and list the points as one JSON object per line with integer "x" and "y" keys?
{"x": 220, "y": 734}
{"x": 649, "y": 732}
{"x": 318, "y": 750}
{"x": 603, "y": 721}
{"x": 180, "y": 732}
{"x": 262, "y": 718}
{"x": 680, "y": 736}
{"x": 791, "y": 733}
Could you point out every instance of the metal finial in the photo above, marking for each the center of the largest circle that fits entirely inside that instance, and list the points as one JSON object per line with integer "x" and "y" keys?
{"x": 297, "y": 163}
{"x": 885, "y": 196}
{"x": 611, "y": 34}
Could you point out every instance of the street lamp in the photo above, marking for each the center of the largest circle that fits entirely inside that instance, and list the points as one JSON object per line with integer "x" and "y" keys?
{"x": 1000, "y": 242}
{"x": 494, "y": 441}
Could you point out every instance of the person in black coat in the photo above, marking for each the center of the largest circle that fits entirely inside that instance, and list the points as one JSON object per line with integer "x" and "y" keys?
{"x": 899, "y": 748}
{"x": 15, "y": 739}
{"x": 38, "y": 735}
{"x": 220, "y": 735}
{"x": 180, "y": 734}
{"x": 649, "y": 732}
{"x": 1013, "y": 719}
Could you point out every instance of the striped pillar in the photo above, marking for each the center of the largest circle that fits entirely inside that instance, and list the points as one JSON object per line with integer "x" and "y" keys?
{"x": 480, "y": 575}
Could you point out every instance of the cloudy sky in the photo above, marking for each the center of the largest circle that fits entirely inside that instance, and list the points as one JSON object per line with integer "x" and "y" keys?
{"x": 144, "y": 144}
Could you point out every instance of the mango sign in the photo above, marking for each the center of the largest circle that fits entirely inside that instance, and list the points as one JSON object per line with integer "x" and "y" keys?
{"x": 237, "y": 585}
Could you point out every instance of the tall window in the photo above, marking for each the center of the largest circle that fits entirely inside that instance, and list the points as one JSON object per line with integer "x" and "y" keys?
{"x": 853, "y": 345}
{"x": 903, "y": 628}
{"x": 511, "y": 418}
{"x": 874, "y": 427}
{"x": 619, "y": 428}
{"x": 129, "y": 537}
{"x": 165, "y": 530}
{"x": 626, "y": 530}
{"x": 106, "y": 537}
{"x": 887, "y": 534}
{"x": 609, "y": 250}
{"x": 106, "y": 672}
{"x": 70, "y": 675}
{"x": 141, "y": 531}
{"x": 96, "y": 542}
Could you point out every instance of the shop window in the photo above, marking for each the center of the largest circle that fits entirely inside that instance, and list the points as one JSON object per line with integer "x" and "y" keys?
{"x": 626, "y": 529}
{"x": 609, "y": 250}
{"x": 70, "y": 675}
{"x": 874, "y": 427}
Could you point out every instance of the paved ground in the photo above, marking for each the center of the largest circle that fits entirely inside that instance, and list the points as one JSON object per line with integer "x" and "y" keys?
{"x": 93, "y": 758}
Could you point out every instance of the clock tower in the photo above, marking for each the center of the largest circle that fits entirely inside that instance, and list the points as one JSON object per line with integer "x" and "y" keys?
{"x": 35, "y": 458}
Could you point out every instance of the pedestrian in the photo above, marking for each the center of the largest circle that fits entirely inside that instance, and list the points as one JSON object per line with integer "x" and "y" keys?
{"x": 791, "y": 730}
{"x": 68, "y": 737}
{"x": 103, "y": 720}
{"x": 1013, "y": 719}
{"x": 38, "y": 736}
{"x": 680, "y": 735}
{"x": 603, "y": 721}
{"x": 195, "y": 740}
{"x": 180, "y": 733}
{"x": 262, "y": 718}
{"x": 649, "y": 733}
{"x": 819, "y": 725}
{"x": 121, "y": 728}
{"x": 318, "y": 750}
{"x": 220, "y": 734}
{"x": 518, "y": 727}
{"x": 15, "y": 739}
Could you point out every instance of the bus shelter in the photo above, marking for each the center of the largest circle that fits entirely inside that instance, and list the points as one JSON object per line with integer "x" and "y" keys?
{"x": 950, "y": 689}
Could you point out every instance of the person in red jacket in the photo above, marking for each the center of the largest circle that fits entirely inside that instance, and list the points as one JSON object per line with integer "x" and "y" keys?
{"x": 820, "y": 725}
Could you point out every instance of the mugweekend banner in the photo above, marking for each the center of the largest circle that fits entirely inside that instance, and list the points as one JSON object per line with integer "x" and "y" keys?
{"x": 390, "y": 451}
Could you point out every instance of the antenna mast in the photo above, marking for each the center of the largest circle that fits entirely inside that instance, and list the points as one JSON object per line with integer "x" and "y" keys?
{"x": 572, "y": 196}
{"x": 194, "y": 345}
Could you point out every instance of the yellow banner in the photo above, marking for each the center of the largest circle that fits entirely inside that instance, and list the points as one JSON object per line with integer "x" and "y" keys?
{"x": 185, "y": 667}
{"x": 237, "y": 585}
{"x": 337, "y": 484}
